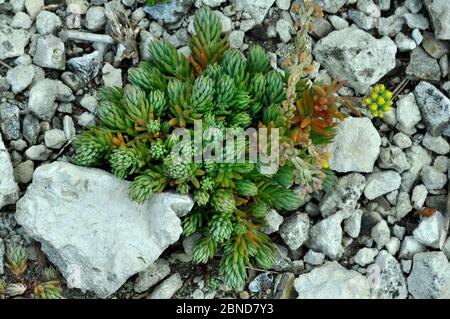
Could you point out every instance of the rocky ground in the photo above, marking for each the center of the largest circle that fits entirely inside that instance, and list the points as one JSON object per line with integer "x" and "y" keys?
{"x": 369, "y": 238}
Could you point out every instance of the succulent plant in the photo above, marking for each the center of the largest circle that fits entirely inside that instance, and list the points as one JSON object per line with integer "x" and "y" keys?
{"x": 224, "y": 89}
{"x": 379, "y": 100}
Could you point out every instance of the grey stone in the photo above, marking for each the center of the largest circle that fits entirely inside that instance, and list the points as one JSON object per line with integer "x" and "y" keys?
{"x": 362, "y": 20}
{"x": 366, "y": 256}
{"x": 423, "y": 67}
{"x": 77, "y": 214}
{"x": 381, "y": 234}
{"x": 436, "y": 48}
{"x": 112, "y": 76}
{"x": 2, "y": 252}
{"x": 432, "y": 178}
{"x": 439, "y": 11}
{"x": 295, "y": 230}
{"x": 72, "y": 80}
{"x": 393, "y": 246}
{"x": 428, "y": 232}
{"x": 346, "y": 152}
{"x": 24, "y": 172}
{"x": 337, "y": 22}
{"x": 38, "y": 153}
{"x": 20, "y": 77}
{"x": 33, "y": 7}
{"x": 55, "y": 139}
{"x": 404, "y": 43}
{"x": 283, "y": 4}
{"x": 167, "y": 288}
{"x": 273, "y": 220}
{"x": 326, "y": 235}
{"x": 430, "y": 276}
{"x": 21, "y": 20}
{"x": 50, "y": 52}
{"x": 332, "y": 281}
{"x": 419, "y": 196}
{"x": 69, "y": 127}
{"x": 146, "y": 279}
{"x": 393, "y": 157}
{"x": 416, "y": 21}
{"x": 86, "y": 119}
{"x": 237, "y": 39}
{"x": 441, "y": 163}
{"x": 9, "y": 121}
{"x": 392, "y": 282}
{"x": 418, "y": 157}
{"x": 31, "y": 128}
{"x": 9, "y": 191}
{"x": 95, "y": 18}
{"x": 417, "y": 36}
{"x": 314, "y": 258}
{"x": 381, "y": 183}
{"x": 436, "y": 144}
{"x": 213, "y": 3}
{"x": 13, "y": 41}
{"x": 354, "y": 55}
{"x": 434, "y": 106}
{"x": 87, "y": 66}
{"x": 42, "y": 99}
{"x": 414, "y": 5}
{"x": 344, "y": 196}
{"x": 257, "y": 9}
{"x": 90, "y": 103}
{"x": 410, "y": 247}
{"x": 402, "y": 140}
{"x": 408, "y": 114}
{"x": 352, "y": 225}
{"x": 47, "y": 23}
{"x": 391, "y": 26}
{"x": 283, "y": 28}
{"x": 171, "y": 12}
{"x": 403, "y": 206}
{"x": 399, "y": 231}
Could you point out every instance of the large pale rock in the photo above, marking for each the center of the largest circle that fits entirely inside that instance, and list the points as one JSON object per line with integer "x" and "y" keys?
{"x": 257, "y": 9}
{"x": 440, "y": 17}
{"x": 91, "y": 230}
{"x": 356, "y": 146}
{"x": 12, "y": 41}
{"x": 9, "y": 191}
{"x": 430, "y": 276}
{"x": 356, "y": 56}
{"x": 381, "y": 183}
{"x": 332, "y": 281}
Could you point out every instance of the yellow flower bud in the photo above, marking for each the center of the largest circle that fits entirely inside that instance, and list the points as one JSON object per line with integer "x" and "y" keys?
{"x": 373, "y": 107}
{"x": 388, "y": 95}
{"x": 374, "y": 96}
{"x": 382, "y": 87}
{"x": 381, "y": 101}
{"x": 386, "y": 108}
{"x": 325, "y": 164}
{"x": 380, "y": 115}
{"x": 376, "y": 89}
{"x": 367, "y": 101}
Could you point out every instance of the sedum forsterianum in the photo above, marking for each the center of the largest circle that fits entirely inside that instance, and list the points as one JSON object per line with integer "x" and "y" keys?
{"x": 224, "y": 89}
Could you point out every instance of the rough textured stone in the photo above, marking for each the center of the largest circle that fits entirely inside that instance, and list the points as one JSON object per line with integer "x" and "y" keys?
{"x": 50, "y": 53}
{"x": 20, "y": 77}
{"x": 167, "y": 288}
{"x": 392, "y": 282}
{"x": 9, "y": 121}
{"x": 354, "y": 55}
{"x": 257, "y": 9}
{"x": 365, "y": 256}
{"x": 326, "y": 235}
{"x": 42, "y": 99}
{"x": 332, "y": 281}
{"x": 87, "y": 66}
{"x": 423, "y": 67}
{"x": 434, "y": 106}
{"x": 410, "y": 247}
{"x": 9, "y": 191}
{"x": 344, "y": 196}
{"x": 171, "y": 12}
{"x": 146, "y": 279}
{"x": 13, "y": 41}
{"x": 295, "y": 230}
{"x": 408, "y": 114}
{"x": 382, "y": 183}
{"x": 347, "y": 155}
{"x": 273, "y": 222}
{"x": 83, "y": 219}
{"x": 428, "y": 232}
{"x": 440, "y": 17}
{"x": 430, "y": 276}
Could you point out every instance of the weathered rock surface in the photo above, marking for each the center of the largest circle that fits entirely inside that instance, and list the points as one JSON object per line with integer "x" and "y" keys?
{"x": 9, "y": 191}
{"x": 91, "y": 230}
